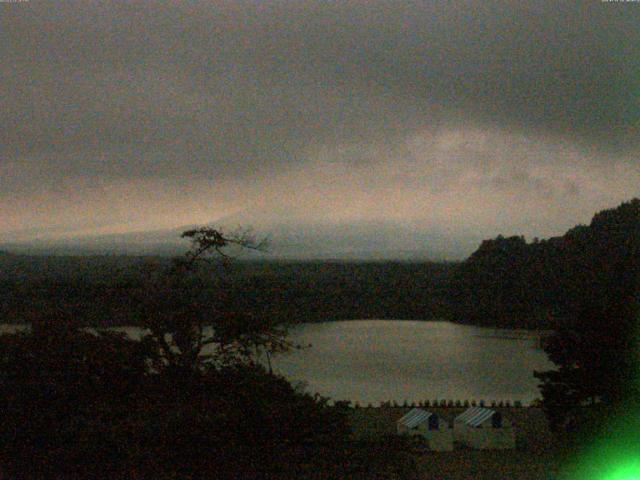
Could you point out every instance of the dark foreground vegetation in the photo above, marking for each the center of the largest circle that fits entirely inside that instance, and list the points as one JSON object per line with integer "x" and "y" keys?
{"x": 78, "y": 404}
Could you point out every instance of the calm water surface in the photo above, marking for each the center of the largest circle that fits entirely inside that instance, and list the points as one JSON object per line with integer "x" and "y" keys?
{"x": 378, "y": 360}
{"x": 370, "y": 361}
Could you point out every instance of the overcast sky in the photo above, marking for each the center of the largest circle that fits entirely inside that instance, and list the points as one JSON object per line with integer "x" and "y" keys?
{"x": 457, "y": 117}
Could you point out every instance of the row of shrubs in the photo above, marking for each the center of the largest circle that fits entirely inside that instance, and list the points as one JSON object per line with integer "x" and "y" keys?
{"x": 438, "y": 403}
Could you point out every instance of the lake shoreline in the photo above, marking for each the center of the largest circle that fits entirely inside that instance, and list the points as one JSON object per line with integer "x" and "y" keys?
{"x": 375, "y": 361}
{"x": 318, "y": 322}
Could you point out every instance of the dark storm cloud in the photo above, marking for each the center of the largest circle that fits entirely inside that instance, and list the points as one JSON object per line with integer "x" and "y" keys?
{"x": 97, "y": 92}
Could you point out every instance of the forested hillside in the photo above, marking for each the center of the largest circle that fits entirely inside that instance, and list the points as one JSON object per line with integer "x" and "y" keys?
{"x": 506, "y": 282}
{"x": 509, "y": 282}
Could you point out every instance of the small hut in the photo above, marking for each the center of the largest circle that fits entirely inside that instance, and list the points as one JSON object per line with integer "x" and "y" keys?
{"x": 427, "y": 427}
{"x": 484, "y": 429}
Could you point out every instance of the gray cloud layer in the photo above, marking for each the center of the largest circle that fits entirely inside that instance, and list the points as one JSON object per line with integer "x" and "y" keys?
{"x": 137, "y": 114}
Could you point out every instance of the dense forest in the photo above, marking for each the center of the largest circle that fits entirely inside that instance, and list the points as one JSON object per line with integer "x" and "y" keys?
{"x": 506, "y": 282}
{"x": 509, "y": 282}
{"x": 105, "y": 289}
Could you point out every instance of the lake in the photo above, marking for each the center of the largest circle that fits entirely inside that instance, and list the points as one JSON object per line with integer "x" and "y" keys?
{"x": 370, "y": 361}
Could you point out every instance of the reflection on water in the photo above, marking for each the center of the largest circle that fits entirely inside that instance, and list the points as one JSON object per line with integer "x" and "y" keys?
{"x": 379, "y": 360}
{"x": 370, "y": 361}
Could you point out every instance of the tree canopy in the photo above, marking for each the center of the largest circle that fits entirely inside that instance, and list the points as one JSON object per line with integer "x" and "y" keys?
{"x": 511, "y": 283}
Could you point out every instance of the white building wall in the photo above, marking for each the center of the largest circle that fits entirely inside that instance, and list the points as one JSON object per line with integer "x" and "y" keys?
{"x": 485, "y": 437}
{"x": 440, "y": 440}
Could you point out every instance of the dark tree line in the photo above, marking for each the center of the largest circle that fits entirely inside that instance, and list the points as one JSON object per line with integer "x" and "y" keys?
{"x": 102, "y": 291}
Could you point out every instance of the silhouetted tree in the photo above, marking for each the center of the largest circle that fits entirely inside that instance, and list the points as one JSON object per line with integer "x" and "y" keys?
{"x": 185, "y": 311}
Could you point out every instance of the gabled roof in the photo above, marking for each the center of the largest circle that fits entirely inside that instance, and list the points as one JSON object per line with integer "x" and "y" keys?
{"x": 475, "y": 416}
{"x": 415, "y": 417}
